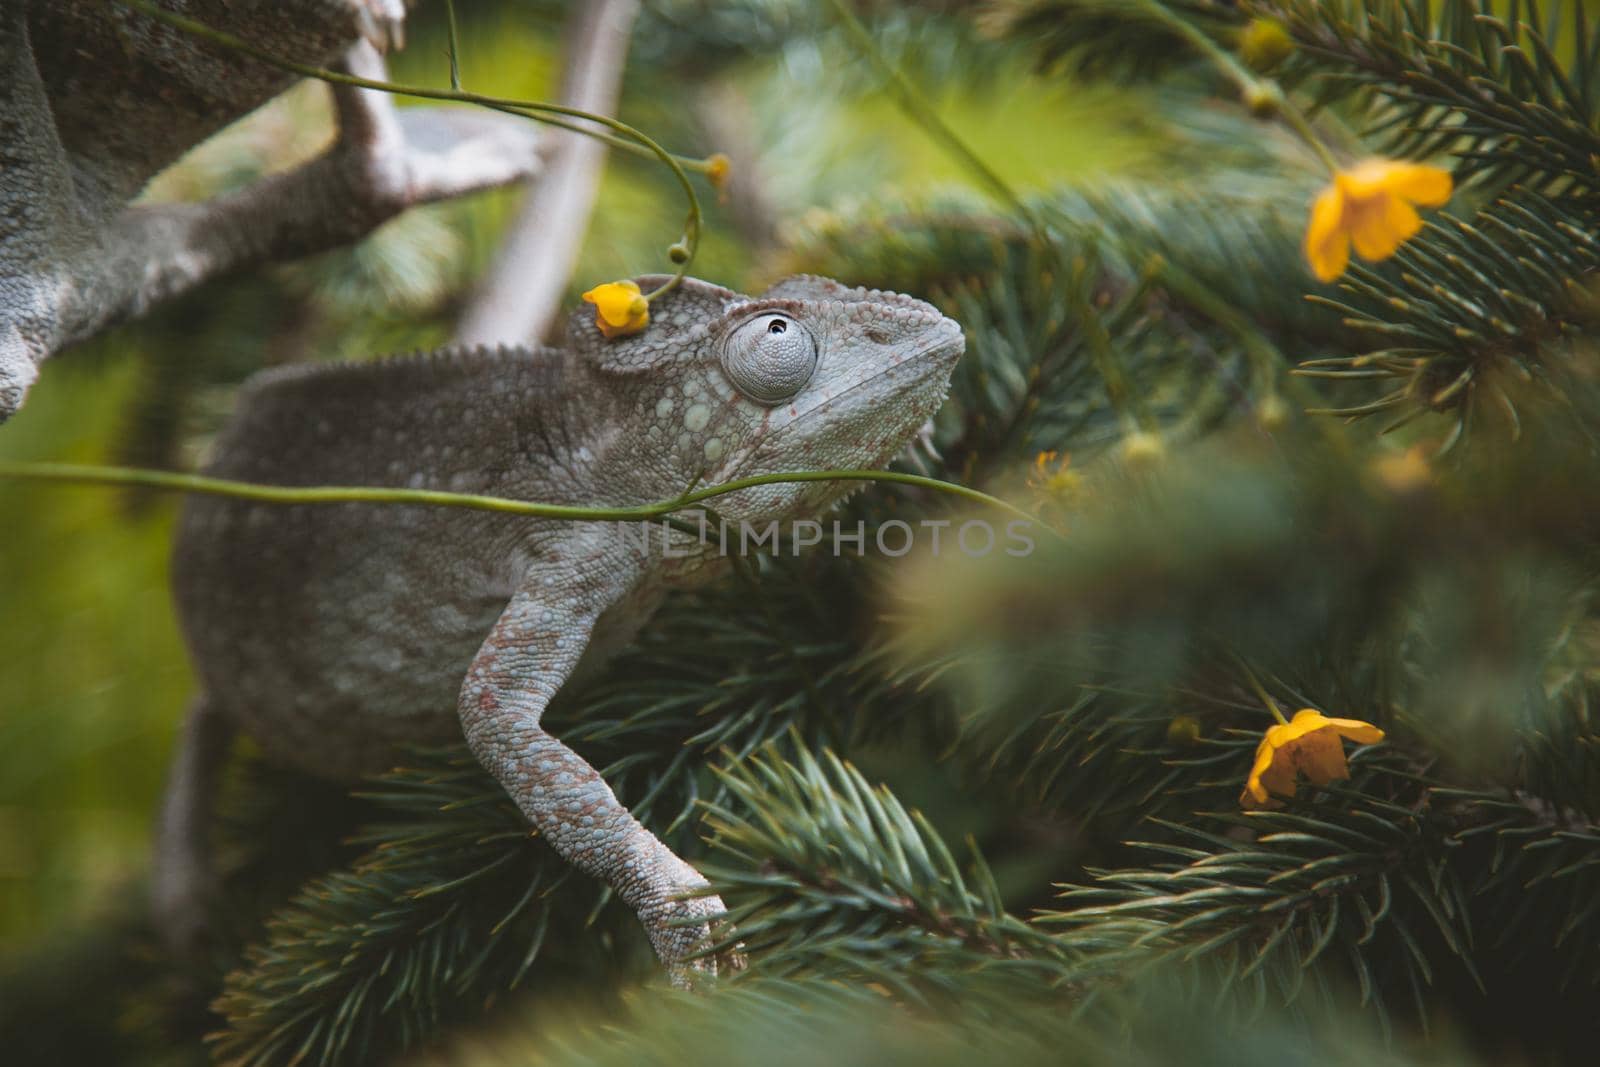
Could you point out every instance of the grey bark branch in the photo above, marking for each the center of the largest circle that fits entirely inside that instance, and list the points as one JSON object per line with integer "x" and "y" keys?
{"x": 95, "y": 100}
{"x": 522, "y": 293}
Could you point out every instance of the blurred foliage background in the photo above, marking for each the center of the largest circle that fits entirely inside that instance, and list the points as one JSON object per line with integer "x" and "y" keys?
{"x": 1074, "y": 728}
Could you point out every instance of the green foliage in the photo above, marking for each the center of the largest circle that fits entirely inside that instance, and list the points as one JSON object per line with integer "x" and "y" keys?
{"x": 1110, "y": 38}
{"x": 834, "y": 876}
{"x": 1481, "y": 81}
{"x": 794, "y": 1023}
{"x": 1471, "y": 306}
{"x": 449, "y": 900}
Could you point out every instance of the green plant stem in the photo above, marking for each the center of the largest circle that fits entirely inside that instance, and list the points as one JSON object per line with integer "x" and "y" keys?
{"x": 455, "y": 44}
{"x": 1261, "y": 692}
{"x": 1300, "y": 124}
{"x": 915, "y": 105}
{"x": 535, "y": 110}
{"x": 82, "y": 474}
{"x": 1124, "y": 400}
{"x": 1268, "y": 362}
{"x": 1245, "y": 79}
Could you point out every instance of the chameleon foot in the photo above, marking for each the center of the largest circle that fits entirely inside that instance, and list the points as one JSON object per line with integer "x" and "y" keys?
{"x": 682, "y": 928}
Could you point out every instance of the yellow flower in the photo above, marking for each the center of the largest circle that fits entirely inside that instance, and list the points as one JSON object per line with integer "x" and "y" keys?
{"x": 1265, "y": 43}
{"x": 1308, "y": 744}
{"x": 1370, "y": 205}
{"x": 1142, "y": 450}
{"x": 1183, "y": 730}
{"x": 717, "y": 167}
{"x": 1053, "y": 476}
{"x": 1402, "y": 472}
{"x": 619, "y": 308}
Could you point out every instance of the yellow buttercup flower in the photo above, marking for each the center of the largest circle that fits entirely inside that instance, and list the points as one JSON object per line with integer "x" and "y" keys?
{"x": 1142, "y": 449}
{"x": 1308, "y": 744}
{"x": 1402, "y": 472}
{"x": 1053, "y": 476}
{"x": 619, "y": 308}
{"x": 1370, "y": 205}
{"x": 717, "y": 167}
{"x": 1183, "y": 730}
{"x": 1265, "y": 43}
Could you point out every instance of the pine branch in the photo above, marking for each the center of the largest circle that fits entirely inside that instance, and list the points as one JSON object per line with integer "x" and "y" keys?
{"x": 447, "y": 909}
{"x": 834, "y": 876}
{"x": 1539, "y": 884}
{"x": 801, "y": 1022}
{"x": 1470, "y": 303}
{"x": 1260, "y": 908}
{"x": 1458, "y": 77}
{"x": 1122, "y": 39}
{"x": 1483, "y": 84}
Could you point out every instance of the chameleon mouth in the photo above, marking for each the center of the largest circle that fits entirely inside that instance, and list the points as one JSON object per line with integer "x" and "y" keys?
{"x": 898, "y": 399}
{"x": 929, "y": 366}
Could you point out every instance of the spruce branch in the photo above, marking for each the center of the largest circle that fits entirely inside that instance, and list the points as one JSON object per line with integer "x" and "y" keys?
{"x": 1470, "y": 308}
{"x": 825, "y": 874}
{"x": 446, "y": 909}
{"x": 1260, "y": 908}
{"x": 1480, "y": 81}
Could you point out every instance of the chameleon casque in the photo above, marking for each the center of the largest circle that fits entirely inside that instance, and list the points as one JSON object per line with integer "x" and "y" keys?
{"x": 333, "y": 633}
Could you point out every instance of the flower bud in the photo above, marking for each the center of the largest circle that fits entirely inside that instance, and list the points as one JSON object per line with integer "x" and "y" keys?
{"x": 1141, "y": 449}
{"x": 1273, "y": 413}
{"x": 1264, "y": 43}
{"x": 1264, "y": 99}
{"x": 717, "y": 167}
{"x": 1183, "y": 730}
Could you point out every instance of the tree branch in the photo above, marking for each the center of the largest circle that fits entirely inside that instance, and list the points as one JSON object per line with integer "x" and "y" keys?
{"x": 75, "y": 258}
{"x": 386, "y": 160}
{"x": 522, "y": 292}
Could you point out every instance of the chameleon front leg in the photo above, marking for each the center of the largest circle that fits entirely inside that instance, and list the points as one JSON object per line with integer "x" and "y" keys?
{"x": 528, "y": 655}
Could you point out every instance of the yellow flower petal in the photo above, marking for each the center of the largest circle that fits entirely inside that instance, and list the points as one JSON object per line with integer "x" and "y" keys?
{"x": 1308, "y": 744}
{"x": 1305, "y": 720}
{"x": 1366, "y": 179}
{"x": 717, "y": 168}
{"x": 1255, "y": 793}
{"x": 1319, "y": 756}
{"x": 1363, "y": 733}
{"x": 1401, "y": 218}
{"x": 1370, "y": 205}
{"x": 1367, "y": 221}
{"x": 1327, "y": 246}
{"x": 1278, "y": 778}
{"x": 619, "y": 308}
{"x": 1419, "y": 183}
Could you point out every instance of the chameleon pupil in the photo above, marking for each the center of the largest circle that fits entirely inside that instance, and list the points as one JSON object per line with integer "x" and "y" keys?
{"x": 777, "y": 326}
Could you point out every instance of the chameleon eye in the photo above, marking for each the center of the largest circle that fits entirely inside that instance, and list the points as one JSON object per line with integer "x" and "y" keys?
{"x": 770, "y": 358}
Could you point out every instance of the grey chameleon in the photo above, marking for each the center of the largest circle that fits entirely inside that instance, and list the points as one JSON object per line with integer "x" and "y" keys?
{"x": 333, "y": 633}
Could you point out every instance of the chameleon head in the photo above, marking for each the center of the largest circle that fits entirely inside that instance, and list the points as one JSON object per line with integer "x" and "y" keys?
{"x": 810, "y": 375}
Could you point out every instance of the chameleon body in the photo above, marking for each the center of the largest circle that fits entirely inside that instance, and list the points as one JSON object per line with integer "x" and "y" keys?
{"x": 332, "y": 633}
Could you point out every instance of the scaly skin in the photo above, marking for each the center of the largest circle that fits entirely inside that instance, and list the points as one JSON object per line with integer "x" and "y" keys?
{"x": 333, "y": 633}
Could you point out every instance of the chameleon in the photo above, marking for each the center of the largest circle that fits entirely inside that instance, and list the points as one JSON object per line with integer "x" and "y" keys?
{"x": 334, "y": 634}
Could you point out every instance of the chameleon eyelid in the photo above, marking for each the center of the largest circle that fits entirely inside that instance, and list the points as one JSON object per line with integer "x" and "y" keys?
{"x": 769, "y": 366}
